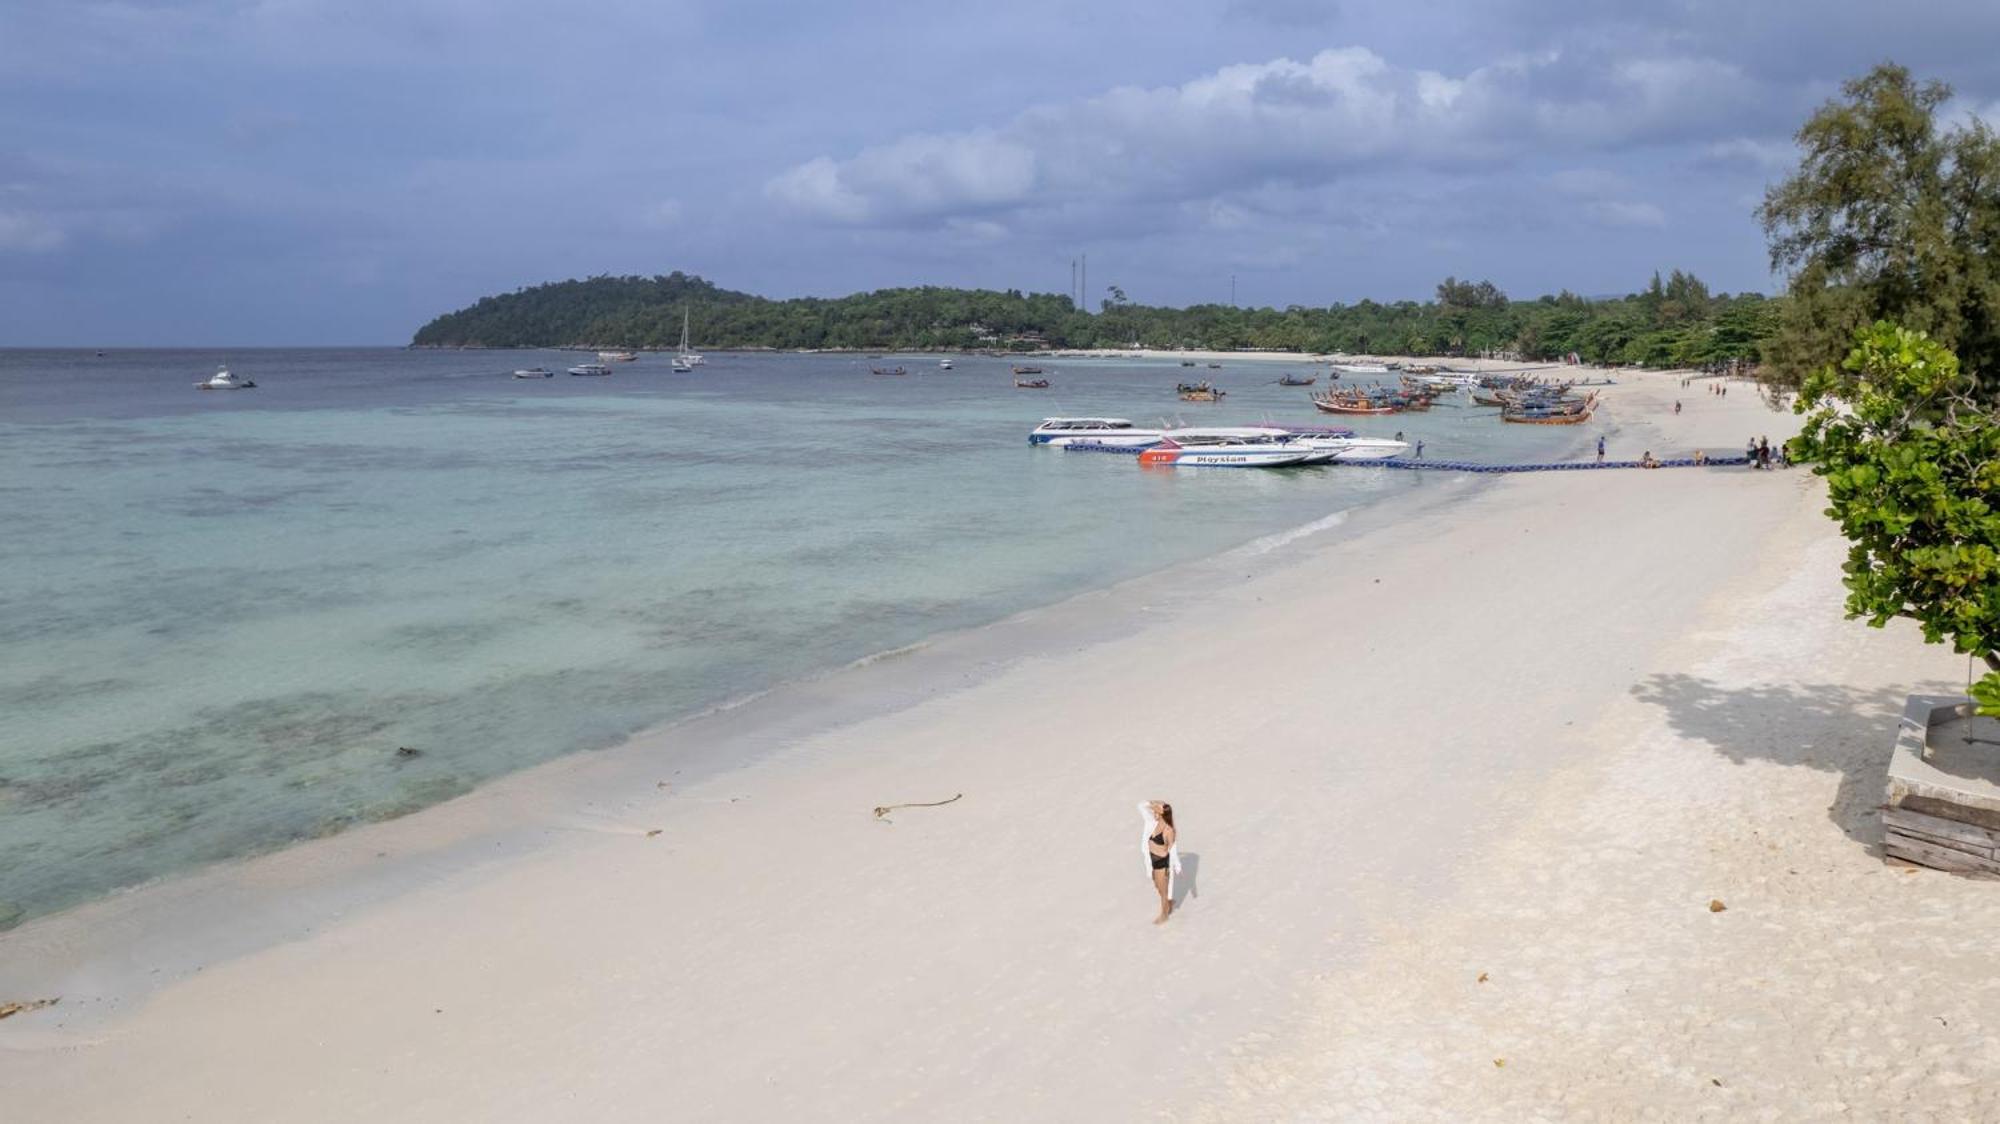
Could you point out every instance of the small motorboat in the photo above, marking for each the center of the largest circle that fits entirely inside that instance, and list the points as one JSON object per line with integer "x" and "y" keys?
{"x": 223, "y": 380}
{"x": 1295, "y": 380}
{"x": 944, "y": 364}
{"x": 534, "y": 373}
{"x": 1215, "y": 366}
{"x": 1031, "y": 384}
{"x": 1027, "y": 370}
{"x": 888, "y": 370}
{"x": 587, "y": 369}
{"x": 616, "y": 356}
{"x": 1187, "y": 362}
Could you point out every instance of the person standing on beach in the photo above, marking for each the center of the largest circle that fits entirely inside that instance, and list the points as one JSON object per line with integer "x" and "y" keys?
{"x": 1162, "y": 859}
{"x": 1600, "y": 448}
{"x": 1420, "y": 448}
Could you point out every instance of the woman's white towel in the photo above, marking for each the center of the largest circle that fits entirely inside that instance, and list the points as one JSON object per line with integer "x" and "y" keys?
{"x": 1146, "y": 851}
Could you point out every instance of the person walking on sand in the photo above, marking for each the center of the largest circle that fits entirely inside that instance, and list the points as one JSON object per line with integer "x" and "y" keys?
{"x": 1163, "y": 858}
{"x": 1677, "y": 408}
{"x": 1600, "y": 448}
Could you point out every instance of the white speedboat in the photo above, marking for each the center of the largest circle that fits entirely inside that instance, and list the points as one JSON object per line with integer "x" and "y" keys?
{"x": 1339, "y": 443}
{"x": 1361, "y": 368}
{"x": 1092, "y": 431}
{"x": 223, "y": 380}
{"x": 534, "y": 373}
{"x": 582, "y": 369}
{"x": 944, "y": 364}
{"x": 617, "y": 356}
{"x": 1229, "y": 447}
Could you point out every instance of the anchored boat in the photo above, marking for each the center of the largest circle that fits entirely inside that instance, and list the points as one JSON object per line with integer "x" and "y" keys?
{"x": 1227, "y": 447}
{"x": 1116, "y": 432}
{"x": 223, "y": 380}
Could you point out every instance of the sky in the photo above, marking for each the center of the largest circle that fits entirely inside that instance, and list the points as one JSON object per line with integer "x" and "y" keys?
{"x": 279, "y": 172}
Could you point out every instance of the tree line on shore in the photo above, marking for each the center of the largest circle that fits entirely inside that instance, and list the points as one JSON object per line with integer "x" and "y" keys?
{"x": 1674, "y": 321}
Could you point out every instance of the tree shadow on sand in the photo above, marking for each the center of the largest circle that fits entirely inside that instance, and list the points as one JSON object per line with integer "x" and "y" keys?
{"x": 1830, "y": 727}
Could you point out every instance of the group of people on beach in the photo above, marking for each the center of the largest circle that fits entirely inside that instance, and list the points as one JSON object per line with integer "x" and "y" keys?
{"x": 1763, "y": 456}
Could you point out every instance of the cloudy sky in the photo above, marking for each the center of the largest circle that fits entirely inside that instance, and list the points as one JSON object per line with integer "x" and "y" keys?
{"x": 338, "y": 171}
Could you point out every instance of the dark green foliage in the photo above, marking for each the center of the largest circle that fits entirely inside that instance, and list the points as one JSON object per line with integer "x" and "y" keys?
{"x": 1911, "y": 456}
{"x": 1888, "y": 217}
{"x": 1675, "y": 323}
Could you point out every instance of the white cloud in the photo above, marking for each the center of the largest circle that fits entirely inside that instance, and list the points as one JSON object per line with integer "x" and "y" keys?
{"x": 663, "y": 215}
{"x": 1342, "y": 114}
{"x": 1750, "y": 153}
{"x": 1612, "y": 212}
{"x": 28, "y": 232}
{"x": 917, "y": 175}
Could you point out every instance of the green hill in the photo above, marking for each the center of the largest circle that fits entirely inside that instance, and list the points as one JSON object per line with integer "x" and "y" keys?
{"x": 1671, "y": 322}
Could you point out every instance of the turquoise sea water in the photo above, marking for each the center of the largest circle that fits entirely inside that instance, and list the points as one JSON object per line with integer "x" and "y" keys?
{"x": 221, "y": 613}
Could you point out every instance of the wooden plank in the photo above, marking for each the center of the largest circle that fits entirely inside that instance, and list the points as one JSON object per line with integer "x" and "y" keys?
{"x": 1938, "y": 858}
{"x": 1950, "y": 833}
{"x": 1945, "y": 809}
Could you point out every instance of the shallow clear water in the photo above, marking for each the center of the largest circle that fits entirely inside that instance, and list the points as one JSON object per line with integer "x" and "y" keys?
{"x": 221, "y": 613}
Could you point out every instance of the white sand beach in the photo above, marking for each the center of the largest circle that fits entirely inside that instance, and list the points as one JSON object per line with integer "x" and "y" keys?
{"x": 1456, "y": 788}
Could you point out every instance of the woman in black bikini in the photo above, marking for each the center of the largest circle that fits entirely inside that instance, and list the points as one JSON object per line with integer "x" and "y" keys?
{"x": 1159, "y": 846}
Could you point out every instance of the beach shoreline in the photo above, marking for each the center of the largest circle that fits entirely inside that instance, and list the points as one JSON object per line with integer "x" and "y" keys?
{"x": 754, "y": 941}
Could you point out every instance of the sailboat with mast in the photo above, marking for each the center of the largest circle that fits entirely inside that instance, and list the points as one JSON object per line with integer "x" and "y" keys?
{"x": 687, "y": 359}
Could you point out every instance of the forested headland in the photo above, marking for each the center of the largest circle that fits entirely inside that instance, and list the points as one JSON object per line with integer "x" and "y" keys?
{"x": 1672, "y": 321}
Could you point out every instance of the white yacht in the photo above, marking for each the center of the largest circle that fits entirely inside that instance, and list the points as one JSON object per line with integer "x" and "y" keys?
{"x": 590, "y": 369}
{"x": 1230, "y": 447}
{"x": 223, "y": 380}
{"x": 616, "y": 356}
{"x": 687, "y": 359}
{"x": 534, "y": 373}
{"x": 1092, "y": 431}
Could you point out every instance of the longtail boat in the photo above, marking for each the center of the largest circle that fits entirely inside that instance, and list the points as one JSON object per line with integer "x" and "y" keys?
{"x": 1031, "y": 384}
{"x": 1294, "y": 380}
{"x": 1327, "y": 403}
{"x": 1537, "y": 417}
{"x": 1027, "y": 370}
{"x": 1198, "y": 392}
{"x": 888, "y": 371}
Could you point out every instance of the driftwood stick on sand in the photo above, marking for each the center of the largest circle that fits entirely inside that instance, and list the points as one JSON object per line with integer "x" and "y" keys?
{"x": 887, "y": 808}
{"x": 8, "y": 1010}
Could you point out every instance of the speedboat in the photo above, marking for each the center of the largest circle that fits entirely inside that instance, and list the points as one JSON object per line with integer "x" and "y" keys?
{"x": 1116, "y": 432}
{"x": 1229, "y": 447}
{"x": 944, "y": 364}
{"x": 617, "y": 356}
{"x": 1361, "y": 368}
{"x": 223, "y": 380}
{"x": 1338, "y": 443}
{"x": 590, "y": 369}
{"x": 534, "y": 373}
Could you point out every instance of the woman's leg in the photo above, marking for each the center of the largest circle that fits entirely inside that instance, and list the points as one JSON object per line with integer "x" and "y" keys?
{"x": 1166, "y": 903}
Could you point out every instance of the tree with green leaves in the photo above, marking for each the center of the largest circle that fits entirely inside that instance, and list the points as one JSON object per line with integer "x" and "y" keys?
{"x": 1889, "y": 216}
{"x": 1911, "y": 455}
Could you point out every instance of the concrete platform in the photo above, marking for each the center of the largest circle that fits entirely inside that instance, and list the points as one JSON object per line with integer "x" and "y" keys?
{"x": 1943, "y": 801}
